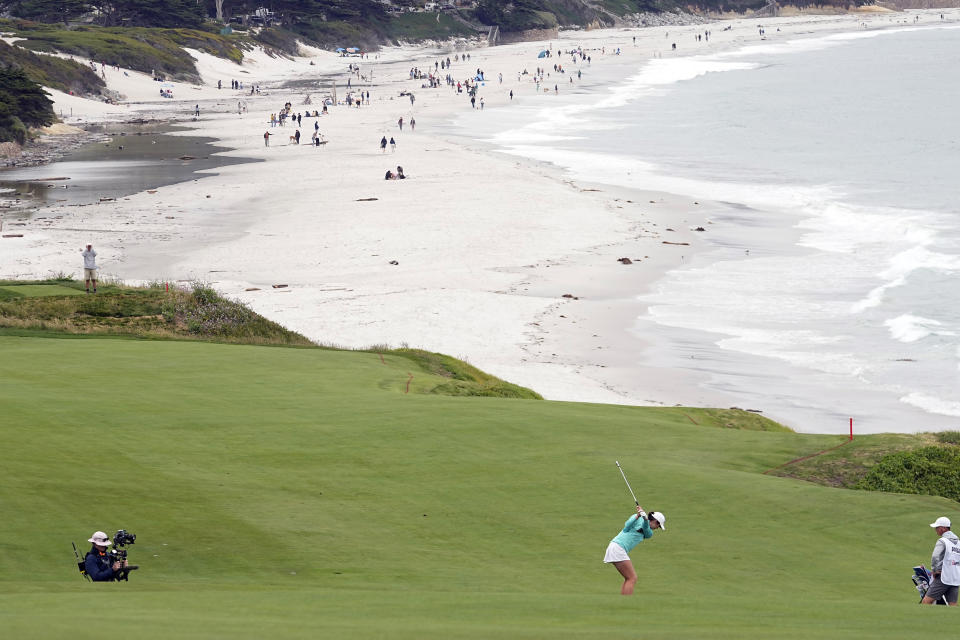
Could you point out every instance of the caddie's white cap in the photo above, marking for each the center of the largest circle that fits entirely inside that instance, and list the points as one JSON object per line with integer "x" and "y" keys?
{"x": 942, "y": 521}
{"x": 659, "y": 517}
{"x": 99, "y": 538}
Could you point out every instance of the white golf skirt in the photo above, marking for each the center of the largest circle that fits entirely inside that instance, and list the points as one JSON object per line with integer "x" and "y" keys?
{"x": 615, "y": 553}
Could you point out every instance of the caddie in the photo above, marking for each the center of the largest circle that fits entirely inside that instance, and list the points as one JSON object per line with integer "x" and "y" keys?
{"x": 944, "y": 565}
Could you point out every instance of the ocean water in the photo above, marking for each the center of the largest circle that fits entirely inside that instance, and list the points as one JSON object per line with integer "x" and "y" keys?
{"x": 831, "y": 286}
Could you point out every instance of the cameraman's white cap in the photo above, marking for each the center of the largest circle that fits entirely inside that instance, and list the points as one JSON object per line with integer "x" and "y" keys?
{"x": 99, "y": 538}
{"x": 942, "y": 521}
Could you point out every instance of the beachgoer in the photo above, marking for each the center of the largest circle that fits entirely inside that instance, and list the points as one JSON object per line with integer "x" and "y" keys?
{"x": 944, "y": 565}
{"x": 413, "y": 124}
{"x": 473, "y": 102}
{"x": 393, "y": 145}
{"x": 296, "y": 136}
{"x": 511, "y": 94}
{"x": 89, "y": 267}
{"x": 636, "y": 529}
{"x": 389, "y": 175}
{"x": 196, "y": 111}
{"x": 400, "y": 175}
{"x": 400, "y": 123}
{"x": 266, "y": 138}
{"x": 383, "y": 144}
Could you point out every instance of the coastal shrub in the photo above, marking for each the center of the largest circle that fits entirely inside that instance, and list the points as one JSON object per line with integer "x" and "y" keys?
{"x": 202, "y": 311}
{"x": 932, "y": 470}
{"x": 23, "y": 104}
{"x": 949, "y": 437}
{"x": 17, "y": 130}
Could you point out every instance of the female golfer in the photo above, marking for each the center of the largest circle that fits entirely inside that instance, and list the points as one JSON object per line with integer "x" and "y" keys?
{"x": 635, "y": 530}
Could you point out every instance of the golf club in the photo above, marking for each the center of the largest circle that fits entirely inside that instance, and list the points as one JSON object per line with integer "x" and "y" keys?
{"x": 637, "y": 502}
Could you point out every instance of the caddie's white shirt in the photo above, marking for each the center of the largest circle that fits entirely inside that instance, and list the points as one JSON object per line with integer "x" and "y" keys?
{"x": 950, "y": 570}
{"x": 89, "y": 259}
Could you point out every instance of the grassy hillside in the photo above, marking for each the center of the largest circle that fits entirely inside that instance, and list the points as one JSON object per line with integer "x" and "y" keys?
{"x": 60, "y": 307}
{"x": 140, "y": 48}
{"x": 49, "y": 71}
{"x": 302, "y": 493}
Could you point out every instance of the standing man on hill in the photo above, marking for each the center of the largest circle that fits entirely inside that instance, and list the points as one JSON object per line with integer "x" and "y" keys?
{"x": 945, "y": 565}
{"x": 90, "y": 267}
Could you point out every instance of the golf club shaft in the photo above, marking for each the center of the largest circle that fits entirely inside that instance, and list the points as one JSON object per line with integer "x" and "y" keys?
{"x": 637, "y": 502}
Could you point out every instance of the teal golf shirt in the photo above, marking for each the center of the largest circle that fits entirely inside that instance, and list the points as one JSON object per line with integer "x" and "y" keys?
{"x": 635, "y": 531}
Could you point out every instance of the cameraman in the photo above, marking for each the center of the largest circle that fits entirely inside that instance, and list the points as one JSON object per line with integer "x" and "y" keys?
{"x": 98, "y": 564}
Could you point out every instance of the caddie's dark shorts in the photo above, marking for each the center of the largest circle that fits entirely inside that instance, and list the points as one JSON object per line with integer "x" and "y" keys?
{"x": 938, "y": 589}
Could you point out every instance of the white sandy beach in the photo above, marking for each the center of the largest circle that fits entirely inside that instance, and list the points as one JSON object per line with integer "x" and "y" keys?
{"x": 486, "y": 245}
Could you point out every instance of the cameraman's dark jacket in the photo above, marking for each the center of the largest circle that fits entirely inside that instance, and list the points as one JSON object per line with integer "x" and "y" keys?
{"x": 99, "y": 566}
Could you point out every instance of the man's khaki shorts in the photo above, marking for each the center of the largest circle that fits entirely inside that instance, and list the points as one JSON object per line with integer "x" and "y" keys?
{"x": 89, "y": 274}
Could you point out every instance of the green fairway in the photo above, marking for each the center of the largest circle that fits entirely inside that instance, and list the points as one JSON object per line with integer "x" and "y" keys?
{"x": 301, "y": 493}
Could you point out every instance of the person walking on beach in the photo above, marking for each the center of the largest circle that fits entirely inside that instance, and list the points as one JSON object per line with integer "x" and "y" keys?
{"x": 383, "y": 144}
{"x": 413, "y": 124}
{"x": 89, "y": 267}
{"x": 393, "y": 145}
{"x": 511, "y": 94}
{"x": 637, "y": 528}
{"x": 400, "y": 123}
{"x": 944, "y": 565}
{"x": 196, "y": 111}
{"x": 266, "y": 138}
{"x": 296, "y": 137}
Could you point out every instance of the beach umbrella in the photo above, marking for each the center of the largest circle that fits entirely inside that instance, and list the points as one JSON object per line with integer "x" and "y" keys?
{"x": 542, "y": 54}
{"x": 340, "y": 49}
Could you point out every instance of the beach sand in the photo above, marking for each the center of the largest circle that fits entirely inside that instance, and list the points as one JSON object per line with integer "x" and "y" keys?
{"x": 500, "y": 261}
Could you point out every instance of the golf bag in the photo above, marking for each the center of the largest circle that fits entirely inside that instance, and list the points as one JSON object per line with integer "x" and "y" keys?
{"x": 922, "y": 579}
{"x": 81, "y": 564}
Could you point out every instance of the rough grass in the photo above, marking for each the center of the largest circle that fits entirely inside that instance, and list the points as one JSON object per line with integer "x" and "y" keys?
{"x": 300, "y": 493}
{"x": 847, "y": 465}
{"x": 197, "y": 313}
{"x": 462, "y": 379}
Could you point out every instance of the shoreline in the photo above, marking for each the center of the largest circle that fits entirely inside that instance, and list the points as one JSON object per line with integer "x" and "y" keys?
{"x": 487, "y": 244}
